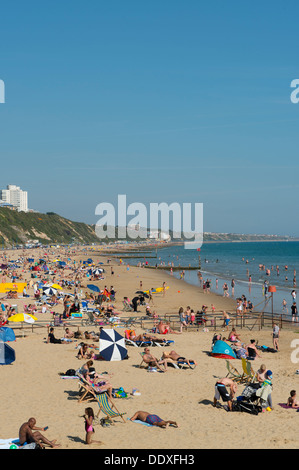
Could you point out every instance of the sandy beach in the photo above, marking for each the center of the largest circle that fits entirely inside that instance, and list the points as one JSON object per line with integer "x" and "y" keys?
{"x": 32, "y": 386}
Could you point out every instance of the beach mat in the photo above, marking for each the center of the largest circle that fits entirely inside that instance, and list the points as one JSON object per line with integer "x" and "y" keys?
{"x": 287, "y": 407}
{"x": 138, "y": 421}
{"x": 11, "y": 443}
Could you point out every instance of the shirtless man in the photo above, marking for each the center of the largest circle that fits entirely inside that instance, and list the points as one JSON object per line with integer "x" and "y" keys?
{"x": 154, "y": 420}
{"x": 177, "y": 357}
{"x": 26, "y": 434}
{"x": 153, "y": 361}
{"x": 221, "y": 391}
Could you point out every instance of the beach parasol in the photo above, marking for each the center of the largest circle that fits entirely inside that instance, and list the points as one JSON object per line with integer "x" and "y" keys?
{"x": 97, "y": 272}
{"x": 93, "y": 287}
{"x": 112, "y": 345}
{"x": 47, "y": 290}
{"x": 7, "y": 354}
{"x": 56, "y": 286}
{"x": 22, "y": 317}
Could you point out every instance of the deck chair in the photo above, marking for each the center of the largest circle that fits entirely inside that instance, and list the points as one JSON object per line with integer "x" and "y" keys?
{"x": 248, "y": 371}
{"x": 167, "y": 342}
{"x": 91, "y": 320}
{"x": 130, "y": 322}
{"x": 138, "y": 344}
{"x": 233, "y": 373}
{"x": 127, "y": 307}
{"x": 86, "y": 392}
{"x": 184, "y": 365}
{"x": 104, "y": 405}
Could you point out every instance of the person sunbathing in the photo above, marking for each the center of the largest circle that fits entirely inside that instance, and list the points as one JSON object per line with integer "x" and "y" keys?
{"x": 98, "y": 382}
{"x": 164, "y": 328}
{"x": 152, "y": 361}
{"x": 144, "y": 337}
{"x": 152, "y": 419}
{"x": 177, "y": 357}
{"x": 292, "y": 400}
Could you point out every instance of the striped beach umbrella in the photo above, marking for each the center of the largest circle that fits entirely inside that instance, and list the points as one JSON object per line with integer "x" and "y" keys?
{"x": 112, "y": 345}
{"x": 98, "y": 272}
{"x": 48, "y": 290}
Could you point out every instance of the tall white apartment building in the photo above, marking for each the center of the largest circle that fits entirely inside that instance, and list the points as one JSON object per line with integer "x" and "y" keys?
{"x": 15, "y": 196}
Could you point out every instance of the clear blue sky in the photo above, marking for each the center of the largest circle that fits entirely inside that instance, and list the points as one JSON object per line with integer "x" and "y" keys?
{"x": 185, "y": 101}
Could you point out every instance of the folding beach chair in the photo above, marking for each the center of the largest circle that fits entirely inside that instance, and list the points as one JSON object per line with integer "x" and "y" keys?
{"x": 184, "y": 365}
{"x": 138, "y": 344}
{"x": 104, "y": 406}
{"x": 167, "y": 342}
{"x": 86, "y": 392}
{"x": 127, "y": 307}
{"x": 248, "y": 373}
{"x": 233, "y": 373}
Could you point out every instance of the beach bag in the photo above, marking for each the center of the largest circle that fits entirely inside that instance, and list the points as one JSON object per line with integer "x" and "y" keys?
{"x": 70, "y": 372}
{"x": 244, "y": 406}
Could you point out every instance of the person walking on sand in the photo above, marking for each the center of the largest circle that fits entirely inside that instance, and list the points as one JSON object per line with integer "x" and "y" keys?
{"x": 164, "y": 288}
{"x": 226, "y": 319}
{"x": 275, "y": 336}
{"x": 152, "y": 419}
{"x": 27, "y": 436}
{"x": 284, "y": 306}
{"x": 89, "y": 417}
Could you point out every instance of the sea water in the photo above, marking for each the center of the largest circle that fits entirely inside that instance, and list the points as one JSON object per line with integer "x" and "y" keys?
{"x": 238, "y": 261}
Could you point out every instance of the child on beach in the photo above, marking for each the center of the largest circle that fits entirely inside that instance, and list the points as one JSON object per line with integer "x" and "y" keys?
{"x": 292, "y": 400}
{"x": 89, "y": 417}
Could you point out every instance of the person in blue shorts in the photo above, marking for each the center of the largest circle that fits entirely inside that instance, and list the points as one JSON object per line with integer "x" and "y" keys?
{"x": 152, "y": 419}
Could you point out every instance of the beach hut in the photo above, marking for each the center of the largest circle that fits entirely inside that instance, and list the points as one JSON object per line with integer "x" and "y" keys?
{"x": 223, "y": 350}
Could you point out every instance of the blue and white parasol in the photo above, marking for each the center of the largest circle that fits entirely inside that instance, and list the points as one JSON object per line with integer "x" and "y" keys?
{"x": 112, "y": 345}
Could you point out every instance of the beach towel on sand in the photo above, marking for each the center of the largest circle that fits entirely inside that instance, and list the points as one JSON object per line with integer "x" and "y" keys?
{"x": 138, "y": 421}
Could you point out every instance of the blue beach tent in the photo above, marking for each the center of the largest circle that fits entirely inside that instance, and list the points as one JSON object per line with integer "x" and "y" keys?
{"x": 7, "y": 334}
{"x": 7, "y": 354}
{"x": 223, "y": 350}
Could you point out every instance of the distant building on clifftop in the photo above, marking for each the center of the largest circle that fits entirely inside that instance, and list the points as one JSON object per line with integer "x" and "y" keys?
{"x": 14, "y": 196}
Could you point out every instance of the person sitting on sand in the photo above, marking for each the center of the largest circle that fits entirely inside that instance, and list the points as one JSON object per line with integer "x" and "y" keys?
{"x": 221, "y": 391}
{"x": 240, "y": 350}
{"x": 68, "y": 333}
{"x": 234, "y": 336}
{"x": 177, "y": 357}
{"x": 26, "y": 436}
{"x": 51, "y": 338}
{"x": 89, "y": 418}
{"x": 152, "y": 419}
{"x": 91, "y": 335}
{"x": 252, "y": 350}
{"x": 83, "y": 352}
{"x": 261, "y": 374}
{"x": 292, "y": 400}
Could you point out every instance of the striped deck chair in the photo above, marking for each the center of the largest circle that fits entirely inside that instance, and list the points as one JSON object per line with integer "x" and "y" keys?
{"x": 104, "y": 406}
{"x": 249, "y": 373}
{"x": 233, "y": 373}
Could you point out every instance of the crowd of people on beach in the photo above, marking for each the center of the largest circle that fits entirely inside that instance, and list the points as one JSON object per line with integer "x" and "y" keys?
{"x": 48, "y": 289}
